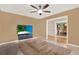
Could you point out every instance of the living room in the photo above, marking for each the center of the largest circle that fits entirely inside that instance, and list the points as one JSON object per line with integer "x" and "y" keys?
{"x": 21, "y": 22}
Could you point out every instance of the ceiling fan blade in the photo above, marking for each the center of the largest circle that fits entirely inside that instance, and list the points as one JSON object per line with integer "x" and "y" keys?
{"x": 33, "y": 11}
{"x": 47, "y": 11}
{"x": 45, "y": 6}
{"x": 33, "y": 6}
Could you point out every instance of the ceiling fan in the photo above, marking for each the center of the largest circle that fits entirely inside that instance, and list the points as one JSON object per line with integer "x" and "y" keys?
{"x": 40, "y": 9}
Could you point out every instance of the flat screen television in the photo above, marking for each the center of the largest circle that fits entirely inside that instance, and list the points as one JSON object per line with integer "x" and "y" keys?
{"x": 24, "y": 31}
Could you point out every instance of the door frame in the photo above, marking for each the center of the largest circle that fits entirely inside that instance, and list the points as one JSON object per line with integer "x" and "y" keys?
{"x": 47, "y": 21}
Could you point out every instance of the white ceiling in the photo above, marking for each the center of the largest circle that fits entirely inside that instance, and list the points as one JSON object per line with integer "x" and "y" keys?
{"x": 24, "y": 9}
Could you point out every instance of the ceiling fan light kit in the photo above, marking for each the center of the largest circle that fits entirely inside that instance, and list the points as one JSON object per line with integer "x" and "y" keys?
{"x": 40, "y": 12}
{"x": 40, "y": 9}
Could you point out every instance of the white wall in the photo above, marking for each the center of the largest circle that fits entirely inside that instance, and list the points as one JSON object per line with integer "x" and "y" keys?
{"x": 51, "y": 28}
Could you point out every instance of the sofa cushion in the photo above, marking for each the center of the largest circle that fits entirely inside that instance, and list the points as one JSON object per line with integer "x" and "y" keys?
{"x": 3, "y": 50}
{"x": 27, "y": 50}
{"x": 62, "y": 51}
{"x": 9, "y": 49}
{"x": 59, "y": 50}
{"x": 42, "y": 47}
{"x": 44, "y": 50}
{"x": 37, "y": 44}
{"x": 12, "y": 49}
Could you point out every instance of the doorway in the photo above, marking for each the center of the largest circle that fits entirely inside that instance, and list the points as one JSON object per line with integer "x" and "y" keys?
{"x": 57, "y": 30}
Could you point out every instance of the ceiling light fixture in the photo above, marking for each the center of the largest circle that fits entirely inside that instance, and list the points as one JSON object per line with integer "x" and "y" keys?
{"x": 40, "y": 12}
{"x": 40, "y": 9}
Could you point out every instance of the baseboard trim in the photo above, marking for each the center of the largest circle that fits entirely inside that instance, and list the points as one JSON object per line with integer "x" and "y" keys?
{"x": 28, "y": 39}
{"x": 15, "y": 41}
{"x": 73, "y": 45}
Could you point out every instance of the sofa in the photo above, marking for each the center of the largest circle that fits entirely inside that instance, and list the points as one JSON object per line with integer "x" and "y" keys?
{"x": 9, "y": 49}
{"x": 40, "y": 46}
